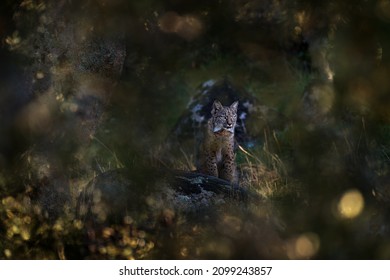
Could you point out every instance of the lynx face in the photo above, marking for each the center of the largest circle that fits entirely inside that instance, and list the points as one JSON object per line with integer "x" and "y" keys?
{"x": 224, "y": 118}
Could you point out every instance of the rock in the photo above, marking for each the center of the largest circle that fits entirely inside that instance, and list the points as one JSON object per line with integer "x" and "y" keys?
{"x": 190, "y": 192}
{"x": 183, "y": 212}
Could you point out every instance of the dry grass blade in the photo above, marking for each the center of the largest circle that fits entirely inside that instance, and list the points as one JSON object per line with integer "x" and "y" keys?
{"x": 119, "y": 164}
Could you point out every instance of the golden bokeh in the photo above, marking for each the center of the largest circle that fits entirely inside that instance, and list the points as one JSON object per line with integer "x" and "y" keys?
{"x": 8, "y": 253}
{"x": 304, "y": 246}
{"x": 351, "y": 204}
{"x": 189, "y": 27}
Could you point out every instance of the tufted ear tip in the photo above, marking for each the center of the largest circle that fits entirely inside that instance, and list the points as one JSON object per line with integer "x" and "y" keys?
{"x": 234, "y": 106}
{"x": 216, "y": 107}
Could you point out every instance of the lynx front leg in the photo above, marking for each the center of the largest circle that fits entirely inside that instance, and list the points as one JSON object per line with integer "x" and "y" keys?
{"x": 209, "y": 164}
{"x": 228, "y": 168}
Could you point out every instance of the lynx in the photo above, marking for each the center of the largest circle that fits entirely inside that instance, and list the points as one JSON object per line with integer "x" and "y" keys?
{"x": 217, "y": 156}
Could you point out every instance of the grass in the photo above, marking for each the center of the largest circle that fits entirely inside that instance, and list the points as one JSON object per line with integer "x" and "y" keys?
{"x": 116, "y": 162}
{"x": 264, "y": 171}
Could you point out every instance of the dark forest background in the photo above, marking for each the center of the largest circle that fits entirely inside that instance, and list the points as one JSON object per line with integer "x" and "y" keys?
{"x": 90, "y": 88}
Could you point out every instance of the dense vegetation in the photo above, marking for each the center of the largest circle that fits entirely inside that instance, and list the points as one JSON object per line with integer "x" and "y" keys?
{"x": 92, "y": 87}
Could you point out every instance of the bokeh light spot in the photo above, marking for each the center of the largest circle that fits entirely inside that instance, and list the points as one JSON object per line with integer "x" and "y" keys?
{"x": 39, "y": 75}
{"x": 188, "y": 27}
{"x": 351, "y": 204}
{"x": 304, "y": 246}
{"x": 307, "y": 245}
{"x": 8, "y": 253}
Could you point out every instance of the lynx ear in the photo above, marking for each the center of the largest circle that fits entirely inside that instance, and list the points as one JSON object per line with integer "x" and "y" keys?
{"x": 216, "y": 107}
{"x": 234, "y": 106}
